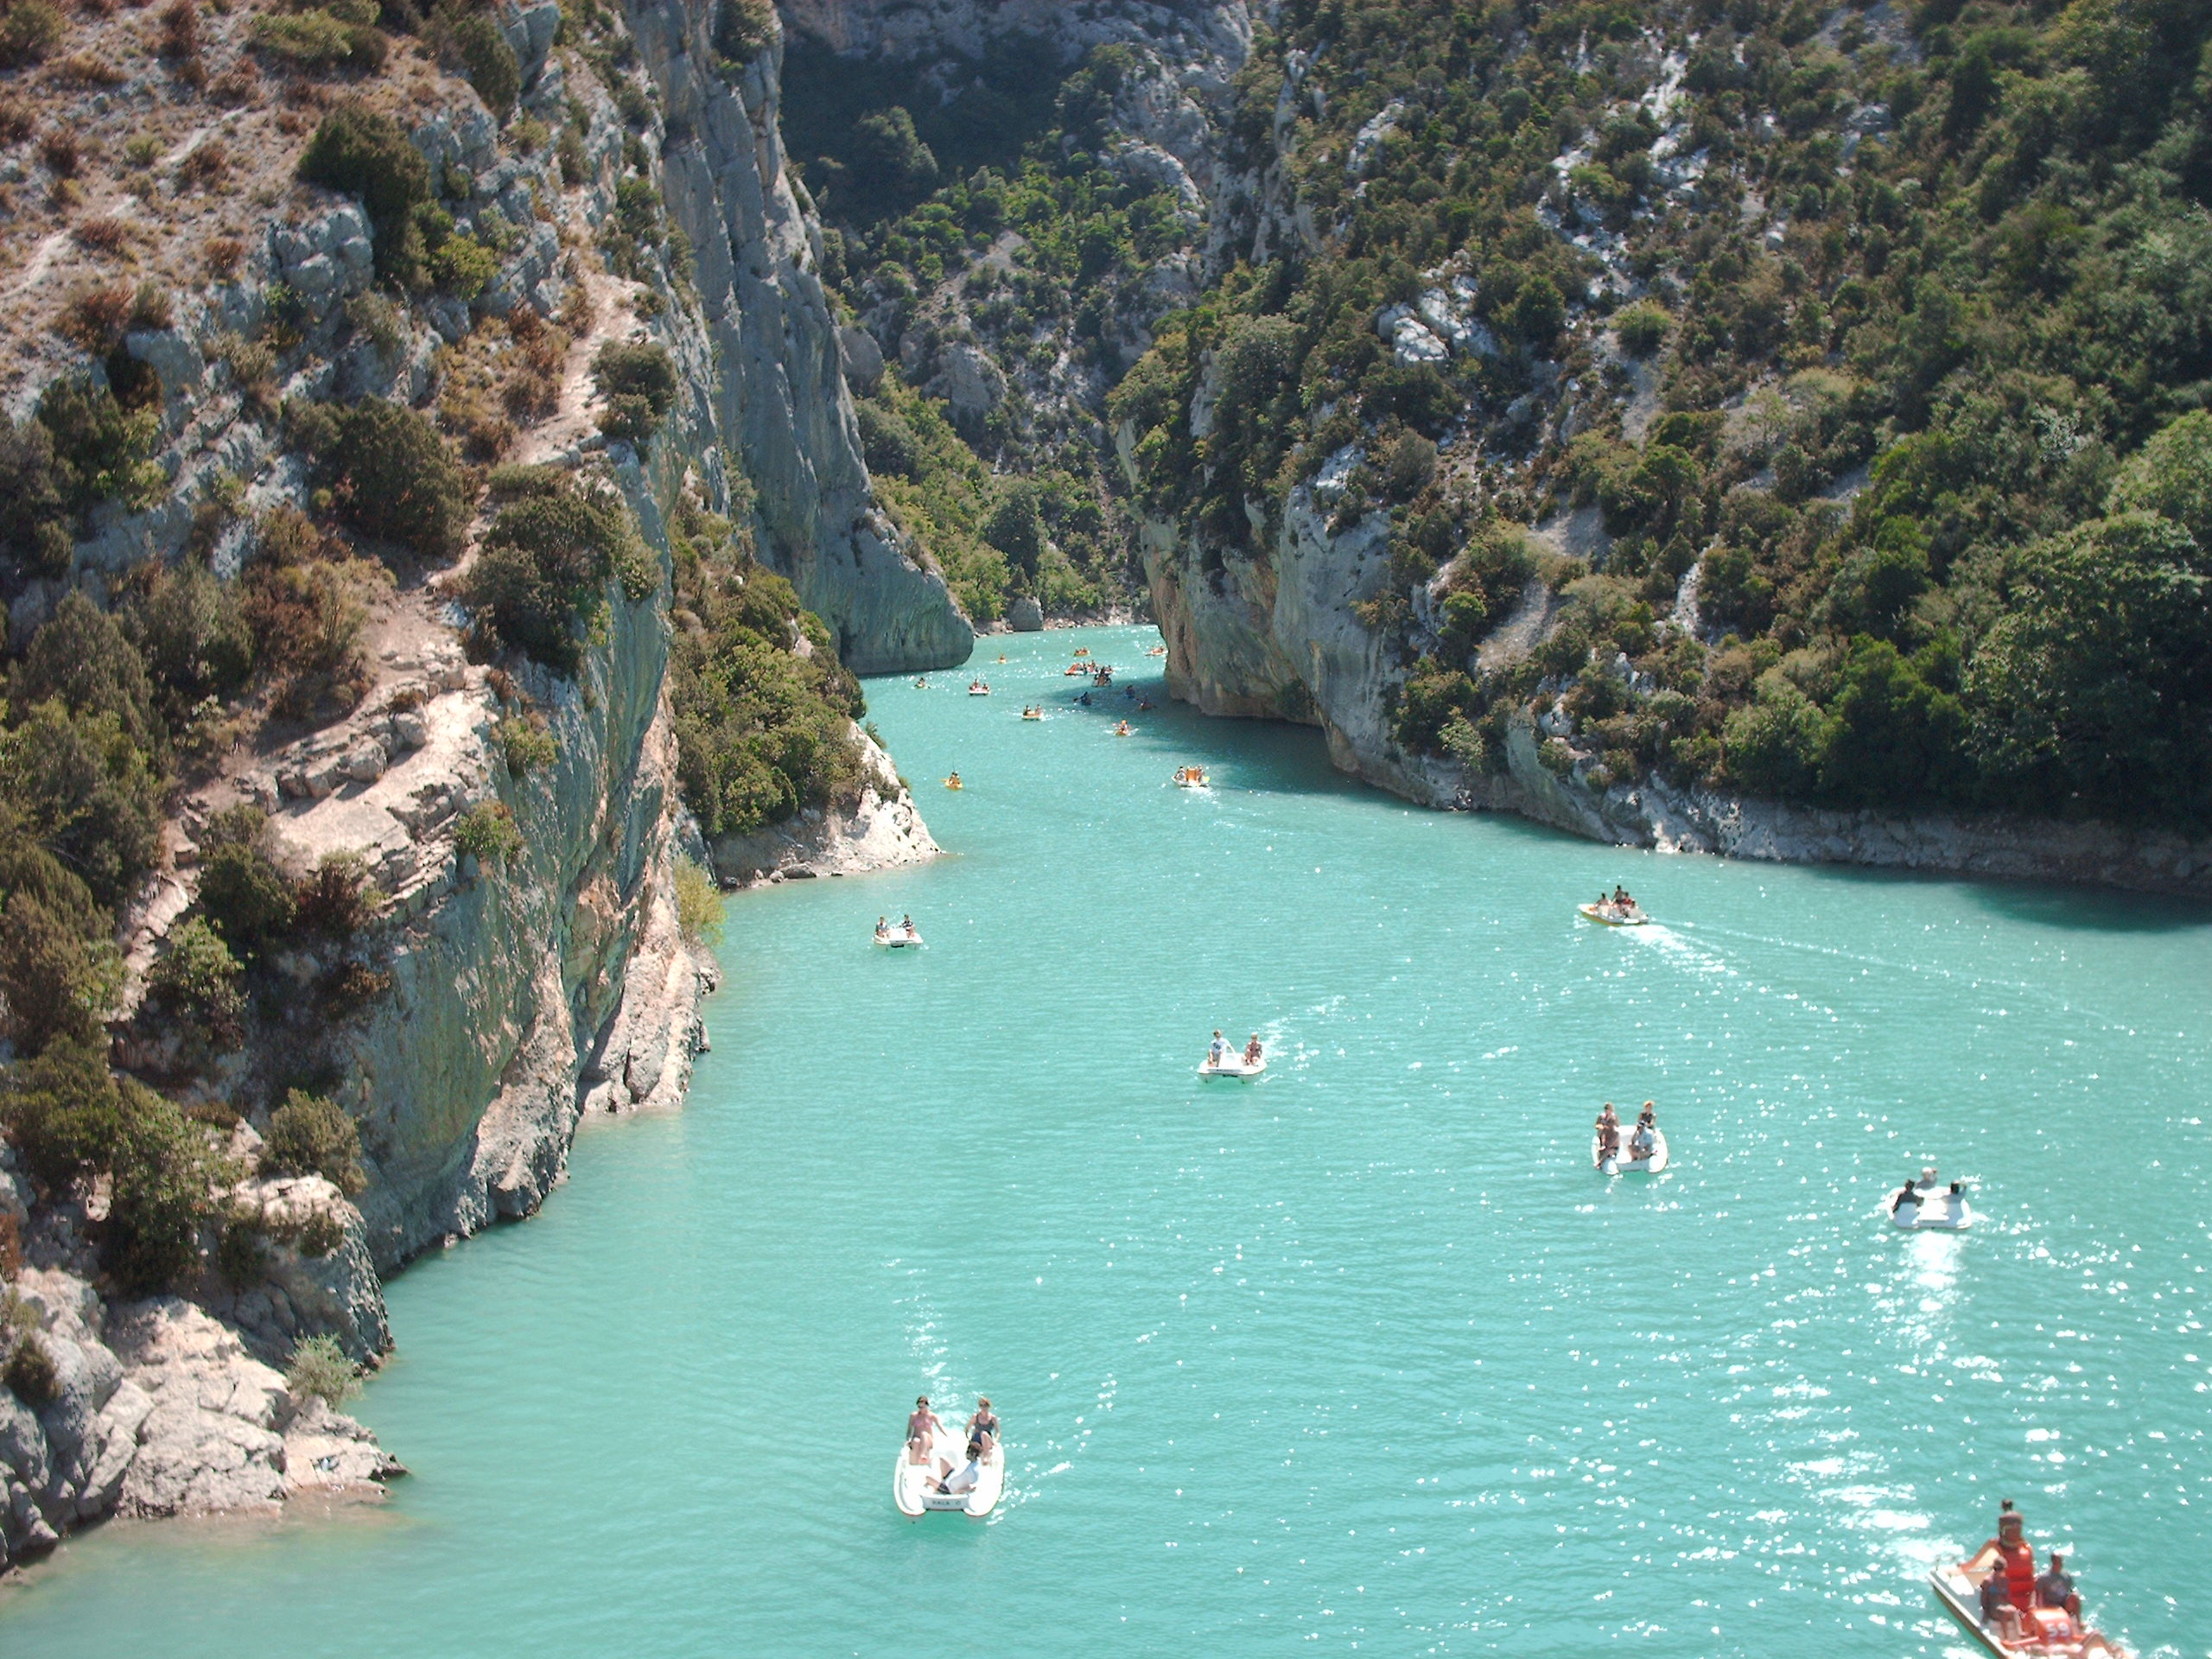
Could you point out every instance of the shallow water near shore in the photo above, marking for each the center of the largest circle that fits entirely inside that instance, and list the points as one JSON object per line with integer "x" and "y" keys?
{"x": 1361, "y": 1354}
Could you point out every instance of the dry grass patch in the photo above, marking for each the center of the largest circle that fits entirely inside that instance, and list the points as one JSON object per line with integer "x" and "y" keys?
{"x": 90, "y": 69}
{"x": 103, "y": 234}
{"x": 62, "y": 152}
{"x": 95, "y": 315}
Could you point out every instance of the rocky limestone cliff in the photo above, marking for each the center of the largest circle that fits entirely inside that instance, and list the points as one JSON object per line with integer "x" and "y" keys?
{"x": 781, "y": 400}
{"x": 513, "y": 997}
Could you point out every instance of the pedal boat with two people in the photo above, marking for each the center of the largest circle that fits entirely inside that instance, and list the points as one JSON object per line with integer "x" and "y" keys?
{"x": 1927, "y": 1206}
{"x": 1191, "y": 778}
{"x": 904, "y": 936}
{"x": 1236, "y": 1063}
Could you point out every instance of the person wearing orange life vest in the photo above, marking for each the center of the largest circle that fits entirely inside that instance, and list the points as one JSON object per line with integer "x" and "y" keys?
{"x": 2009, "y": 1553}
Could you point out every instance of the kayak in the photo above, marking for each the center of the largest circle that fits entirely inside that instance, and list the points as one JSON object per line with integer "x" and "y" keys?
{"x": 1620, "y": 1165}
{"x": 2050, "y": 1632}
{"x": 1607, "y": 916}
{"x": 1233, "y": 1066}
{"x": 913, "y": 1486}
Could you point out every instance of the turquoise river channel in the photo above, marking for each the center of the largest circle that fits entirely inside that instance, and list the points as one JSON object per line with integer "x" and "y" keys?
{"x": 1362, "y": 1355}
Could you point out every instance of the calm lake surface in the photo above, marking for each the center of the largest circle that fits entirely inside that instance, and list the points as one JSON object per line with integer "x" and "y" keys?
{"x": 1361, "y": 1355}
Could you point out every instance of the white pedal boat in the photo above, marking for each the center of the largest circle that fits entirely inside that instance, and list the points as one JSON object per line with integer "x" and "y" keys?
{"x": 1620, "y": 1165}
{"x": 2047, "y": 1632}
{"x": 913, "y": 1486}
{"x": 1936, "y": 1210}
{"x": 1612, "y": 916}
{"x": 1233, "y": 1066}
{"x": 898, "y": 939}
{"x": 979, "y": 690}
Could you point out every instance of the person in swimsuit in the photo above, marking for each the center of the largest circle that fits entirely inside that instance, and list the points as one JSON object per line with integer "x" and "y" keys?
{"x": 1644, "y": 1141}
{"x": 983, "y": 1426}
{"x": 2056, "y": 1589}
{"x": 1998, "y": 1612}
{"x": 882, "y": 928}
{"x": 921, "y": 1427}
{"x": 1609, "y": 1134}
{"x": 1252, "y": 1050}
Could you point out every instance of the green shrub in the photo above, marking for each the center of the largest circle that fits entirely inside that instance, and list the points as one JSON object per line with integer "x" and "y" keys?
{"x": 527, "y": 743}
{"x": 30, "y": 1372}
{"x": 492, "y": 67}
{"x": 317, "y": 39}
{"x": 243, "y": 894}
{"x": 101, "y": 451}
{"x": 366, "y": 154}
{"x": 639, "y": 383}
{"x": 1642, "y": 327}
{"x": 35, "y": 537}
{"x": 698, "y": 904}
{"x": 2171, "y": 476}
{"x": 318, "y": 1367}
{"x": 82, "y": 657}
{"x": 29, "y": 30}
{"x": 463, "y": 266}
{"x": 539, "y": 580}
{"x": 392, "y": 476}
{"x": 743, "y": 29}
{"x": 59, "y": 971}
{"x": 71, "y": 1117}
{"x": 190, "y": 628}
{"x": 86, "y": 792}
{"x": 197, "y": 980}
{"x": 310, "y": 1135}
{"x": 487, "y": 833}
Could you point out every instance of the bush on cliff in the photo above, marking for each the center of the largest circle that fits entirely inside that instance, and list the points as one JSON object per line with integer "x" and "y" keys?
{"x": 59, "y": 971}
{"x": 492, "y": 68}
{"x": 319, "y": 1369}
{"x": 86, "y": 793}
{"x": 363, "y": 153}
{"x": 639, "y": 383}
{"x": 310, "y": 1135}
{"x": 392, "y": 476}
{"x": 71, "y": 1118}
{"x": 540, "y": 582}
{"x": 243, "y": 894}
{"x": 761, "y": 732}
{"x": 743, "y": 29}
{"x": 196, "y": 979}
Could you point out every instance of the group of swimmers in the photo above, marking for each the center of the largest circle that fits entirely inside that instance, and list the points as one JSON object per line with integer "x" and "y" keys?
{"x": 1642, "y": 1141}
{"x": 2011, "y": 1590}
{"x": 982, "y": 1442}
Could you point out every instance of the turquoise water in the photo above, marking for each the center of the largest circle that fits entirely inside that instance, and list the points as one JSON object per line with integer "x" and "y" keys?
{"x": 1360, "y": 1355}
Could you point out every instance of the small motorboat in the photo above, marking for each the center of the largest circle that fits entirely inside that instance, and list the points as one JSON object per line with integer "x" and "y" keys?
{"x": 1927, "y": 1205}
{"x": 898, "y": 939}
{"x": 1609, "y": 915}
{"x": 914, "y": 1485}
{"x": 2048, "y": 1633}
{"x": 1622, "y": 1165}
{"x": 1191, "y": 778}
{"x": 979, "y": 689}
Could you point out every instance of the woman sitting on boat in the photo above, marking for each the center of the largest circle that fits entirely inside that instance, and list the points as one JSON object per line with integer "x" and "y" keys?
{"x": 919, "y": 1428}
{"x": 1644, "y": 1140}
{"x": 882, "y": 930}
{"x": 1252, "y": 1050}
{"x": 1609, "y": 1134}
{"x": 985, "y": 1425}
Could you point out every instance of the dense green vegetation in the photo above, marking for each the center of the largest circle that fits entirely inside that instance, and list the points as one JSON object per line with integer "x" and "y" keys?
{"x": 539, "y": 583}
{"x": 764, "y": 710}
{"x": 1932, "y": 442}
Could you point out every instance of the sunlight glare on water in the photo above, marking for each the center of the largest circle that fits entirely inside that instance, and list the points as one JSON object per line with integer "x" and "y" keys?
{"x": 1359, "y": 1355}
